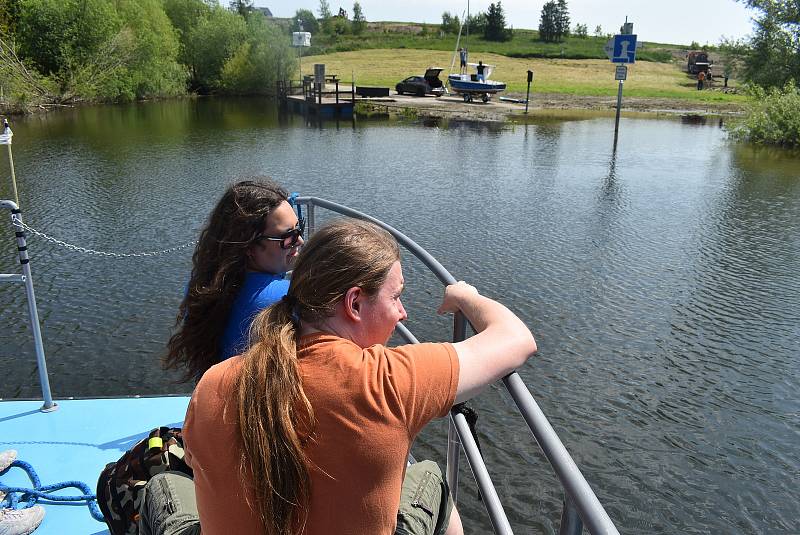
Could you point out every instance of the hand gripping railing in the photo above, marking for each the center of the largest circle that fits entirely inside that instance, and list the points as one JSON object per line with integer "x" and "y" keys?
{"x": 33, "y": 313}
{"x": 581, "y": 506}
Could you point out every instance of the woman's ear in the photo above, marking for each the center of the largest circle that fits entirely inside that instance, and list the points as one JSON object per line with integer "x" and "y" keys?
{"x": 352, "y": 303}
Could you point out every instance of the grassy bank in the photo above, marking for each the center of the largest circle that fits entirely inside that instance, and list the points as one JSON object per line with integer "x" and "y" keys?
{"x": 594, "y": 77}
{"x": 524, "y": 43}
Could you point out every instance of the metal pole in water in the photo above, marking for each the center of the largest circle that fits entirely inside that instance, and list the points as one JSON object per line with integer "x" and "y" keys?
{"x": 619, "y": 106}
{"x": 528, "y": 96}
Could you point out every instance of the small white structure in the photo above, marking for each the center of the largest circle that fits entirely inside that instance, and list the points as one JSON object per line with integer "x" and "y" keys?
{"x": 301, "y": 38}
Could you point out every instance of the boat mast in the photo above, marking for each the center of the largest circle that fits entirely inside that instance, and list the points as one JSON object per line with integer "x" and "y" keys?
{"x": 466, "y": 38}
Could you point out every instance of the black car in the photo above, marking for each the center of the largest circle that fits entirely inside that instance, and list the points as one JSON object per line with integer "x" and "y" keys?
{"x": 430, "y": 84}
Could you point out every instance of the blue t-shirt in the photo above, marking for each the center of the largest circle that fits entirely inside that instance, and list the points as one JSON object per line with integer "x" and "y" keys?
{"x": 258, "y": 292}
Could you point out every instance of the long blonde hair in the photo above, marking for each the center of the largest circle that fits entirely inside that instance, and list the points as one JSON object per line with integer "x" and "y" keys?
{"x": 275, "y": 416}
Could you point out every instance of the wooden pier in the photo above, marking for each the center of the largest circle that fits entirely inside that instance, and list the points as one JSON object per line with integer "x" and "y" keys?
{"x": 330, "y": 99}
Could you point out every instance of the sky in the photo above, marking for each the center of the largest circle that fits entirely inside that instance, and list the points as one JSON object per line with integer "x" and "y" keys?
{"x": 670, "y": 21}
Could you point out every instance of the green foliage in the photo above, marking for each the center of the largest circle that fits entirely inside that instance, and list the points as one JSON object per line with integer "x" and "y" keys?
{"x": 263, "y": 59}
{"x": 598, "y": 31}
{"x": 337, "y": 26}
{"x": 450, "y": 23}
{"x": 774, "y": 55}
{"x": 524, "y": 44}
{"x": 495, "y": 29}
{"x": 324, "y": 10}
{"x": 308, "y": 21}
{"x": 581, "y": 31}
{"x": 359, "y": 20}
{"x": 185, "y": 14}
{"x": 210, "y": 44}
{"x": 9, "y": 16}
{"x": 772, "y": 118}
{"x": 476, "y": 24}
{"x": 562, "y": 19}
{"x": 58, "y": 35}
{"x": 733, "y": 53}
{"x": 21, "y": 86}
{"x": 548, "y": 21}
{"x": 153, "y": 68}
{"x": 242, "y": 7}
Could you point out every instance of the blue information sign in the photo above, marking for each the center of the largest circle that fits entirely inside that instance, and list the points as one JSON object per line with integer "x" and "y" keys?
{"x": 624, "y": 49}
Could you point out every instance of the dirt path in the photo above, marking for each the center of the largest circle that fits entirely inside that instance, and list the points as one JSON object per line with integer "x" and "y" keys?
{"x": 454, "y": 107}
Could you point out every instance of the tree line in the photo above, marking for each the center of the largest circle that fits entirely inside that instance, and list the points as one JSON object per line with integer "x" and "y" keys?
{"x": 553, "y": 23}
{"x": 57, "y": 51}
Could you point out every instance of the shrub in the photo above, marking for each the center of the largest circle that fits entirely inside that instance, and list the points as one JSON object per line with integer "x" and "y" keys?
{"x": 210, "y": 44}
{"x": 259, "y": 62}
{"x": 772, "y": 117}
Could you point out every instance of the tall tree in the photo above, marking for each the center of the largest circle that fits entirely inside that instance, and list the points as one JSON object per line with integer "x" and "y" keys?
{"x": 774, "y": 56}
{"x": 306, "y": 19}
{"x": 554, "y": 21}
{"x": 547, "y": 22}
{"x": 324, "y": 10}
{"x": 450, "y": 23}
{"x": 495, "y": 29}
{"x": 359, "y": 21}
{"x": 242, "y": 7}
{"x": 562, "y": 19}
{"x": 210, "y": 44}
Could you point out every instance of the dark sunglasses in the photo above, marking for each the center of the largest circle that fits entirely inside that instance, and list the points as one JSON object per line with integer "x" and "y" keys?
{"x": 289, "y": 238}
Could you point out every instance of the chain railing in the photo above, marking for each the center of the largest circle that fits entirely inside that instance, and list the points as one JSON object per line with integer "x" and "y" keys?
{"x": 17, "y": 220}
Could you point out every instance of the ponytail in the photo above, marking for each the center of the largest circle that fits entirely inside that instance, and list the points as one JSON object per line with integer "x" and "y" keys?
{"x": 275, "y": 420}
{"x": 275, "y": 417}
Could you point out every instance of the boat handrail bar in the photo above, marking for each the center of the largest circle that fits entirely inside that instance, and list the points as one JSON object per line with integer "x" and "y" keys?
{"x": 579, "y": 494}
{"x": 33, "y": 312}
{"x": 575, "y": 485}
{"x": 491, "y": 500}
{"x": 436, "y": 268}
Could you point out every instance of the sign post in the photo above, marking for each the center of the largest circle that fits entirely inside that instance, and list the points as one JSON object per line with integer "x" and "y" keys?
{"x": 621, "y": 74}
{"x": 528, "y": 97}
{"x": 299, "y": 40}
{"x": 621, "y": 49}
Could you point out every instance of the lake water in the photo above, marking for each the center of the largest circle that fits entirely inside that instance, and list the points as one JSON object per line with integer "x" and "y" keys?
{"x": 660, "y": 279}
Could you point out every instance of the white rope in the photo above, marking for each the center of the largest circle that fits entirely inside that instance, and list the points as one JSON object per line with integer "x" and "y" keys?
{"x": 17, "y": 221}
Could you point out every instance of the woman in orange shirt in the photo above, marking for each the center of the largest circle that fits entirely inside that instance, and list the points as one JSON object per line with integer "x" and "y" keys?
{"x": 309, "y": 430}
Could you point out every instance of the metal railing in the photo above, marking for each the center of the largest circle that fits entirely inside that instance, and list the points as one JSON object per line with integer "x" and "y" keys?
{"x": 581, "y": 506}
{"x": 33, "y": 313}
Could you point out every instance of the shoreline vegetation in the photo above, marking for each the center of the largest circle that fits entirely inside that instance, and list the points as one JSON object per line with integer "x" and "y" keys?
{"x": 57, "y": 53}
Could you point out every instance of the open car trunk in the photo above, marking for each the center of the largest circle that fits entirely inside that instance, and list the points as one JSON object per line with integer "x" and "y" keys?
{"x": 432, "y": 77}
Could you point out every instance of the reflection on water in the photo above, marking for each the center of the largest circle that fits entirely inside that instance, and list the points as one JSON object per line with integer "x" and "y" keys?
{"x": 659, "y": 275}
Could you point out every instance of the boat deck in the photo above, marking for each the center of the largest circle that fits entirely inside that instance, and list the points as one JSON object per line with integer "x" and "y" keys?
{"x": 75, "y": 442}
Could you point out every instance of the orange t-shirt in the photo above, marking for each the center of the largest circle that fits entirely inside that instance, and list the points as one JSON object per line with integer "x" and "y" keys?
{"x": 369, "y": 405}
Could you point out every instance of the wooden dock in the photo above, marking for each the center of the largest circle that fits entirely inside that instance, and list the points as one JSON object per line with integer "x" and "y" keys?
{"x": 331, "y": 99}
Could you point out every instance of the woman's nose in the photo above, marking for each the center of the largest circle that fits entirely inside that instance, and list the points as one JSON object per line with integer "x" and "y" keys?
{"x": 402, "y": 311}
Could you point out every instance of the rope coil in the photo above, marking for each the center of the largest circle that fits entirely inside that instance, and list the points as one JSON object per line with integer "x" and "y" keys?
{"x": 29, "y": 497}
{"x": 17, "y": 220}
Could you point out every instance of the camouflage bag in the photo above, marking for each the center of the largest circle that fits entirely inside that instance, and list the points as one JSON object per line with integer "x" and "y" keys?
{"x": 120, "y": 486}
